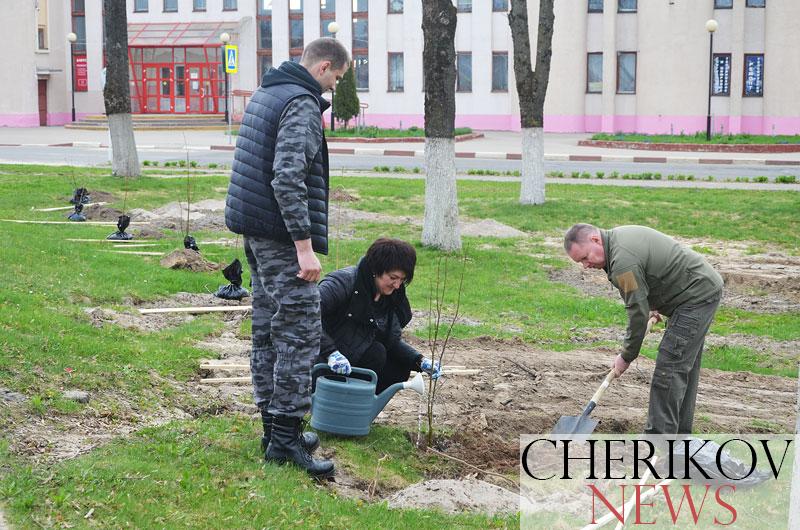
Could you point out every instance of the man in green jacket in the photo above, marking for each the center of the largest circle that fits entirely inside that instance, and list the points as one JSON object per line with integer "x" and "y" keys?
{"x": 656, "y": 276}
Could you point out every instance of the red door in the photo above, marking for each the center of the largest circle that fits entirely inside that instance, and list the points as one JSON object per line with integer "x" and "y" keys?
{"x": 43, "y": 102}
{"x": 158, "y": 88}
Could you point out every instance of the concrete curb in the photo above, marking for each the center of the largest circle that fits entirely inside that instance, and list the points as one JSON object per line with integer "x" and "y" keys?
{"x": 486, "y": 155}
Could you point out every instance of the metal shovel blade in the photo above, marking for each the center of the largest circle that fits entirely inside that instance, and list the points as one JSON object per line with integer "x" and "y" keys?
{"x": 569, "y": 426}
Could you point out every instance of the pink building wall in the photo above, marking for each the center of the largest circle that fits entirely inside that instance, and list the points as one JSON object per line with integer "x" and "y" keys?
{"x": 612, "y": 124}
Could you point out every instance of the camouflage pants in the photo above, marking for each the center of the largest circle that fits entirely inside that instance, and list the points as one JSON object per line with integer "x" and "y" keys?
{"x": 286, "y": 328}
{"x": 673, "y": 389}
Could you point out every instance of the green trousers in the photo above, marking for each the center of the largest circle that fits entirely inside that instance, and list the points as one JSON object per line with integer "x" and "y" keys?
{"x": 673, "y": 390}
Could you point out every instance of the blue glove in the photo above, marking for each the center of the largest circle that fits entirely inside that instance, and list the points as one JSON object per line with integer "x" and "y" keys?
{"x": 431, "y": 368}
{"x": 339, "y": 363}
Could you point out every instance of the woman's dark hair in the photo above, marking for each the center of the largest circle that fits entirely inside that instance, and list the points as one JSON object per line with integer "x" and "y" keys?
{"x": 386, "y": 255}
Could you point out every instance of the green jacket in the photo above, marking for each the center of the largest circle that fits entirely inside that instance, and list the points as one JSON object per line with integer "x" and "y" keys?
{"x": 653, "y": 271}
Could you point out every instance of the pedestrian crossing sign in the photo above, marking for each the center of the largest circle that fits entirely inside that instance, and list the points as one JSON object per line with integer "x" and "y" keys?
{"x": 231, "y": 59}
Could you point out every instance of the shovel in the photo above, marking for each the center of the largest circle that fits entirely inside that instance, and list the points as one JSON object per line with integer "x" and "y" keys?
{"x": 569, "y": 426}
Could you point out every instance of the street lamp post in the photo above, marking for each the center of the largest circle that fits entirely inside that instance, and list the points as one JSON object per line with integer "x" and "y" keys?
{"x": 226, "y": 38}
{"x": 711, "y": 27}
{"x": 333, "y": 28}
{"x": 72, "y": 38}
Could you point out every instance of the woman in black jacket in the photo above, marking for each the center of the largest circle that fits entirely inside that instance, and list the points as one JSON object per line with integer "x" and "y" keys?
{"x": 365, "y": 308}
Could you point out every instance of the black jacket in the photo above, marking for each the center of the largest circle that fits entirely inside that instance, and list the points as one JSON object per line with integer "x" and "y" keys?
{"x": 251, "y": 207}
{"x": 348, "y": 318}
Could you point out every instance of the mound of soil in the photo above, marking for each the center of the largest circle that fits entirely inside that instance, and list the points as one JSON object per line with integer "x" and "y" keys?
{"x": 188, "y": 259}
{"x": 101, "y": 213}
{"x": 341, "y": 195}
{"x": 457, "y": 496}
{"x": 148, "y": 323}
{"x": 146, "y": 232}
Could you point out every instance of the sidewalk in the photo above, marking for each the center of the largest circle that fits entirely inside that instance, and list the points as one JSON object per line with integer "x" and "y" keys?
{"x": 500, "y": 145}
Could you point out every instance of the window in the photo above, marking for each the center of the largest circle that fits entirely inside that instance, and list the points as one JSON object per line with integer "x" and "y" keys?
{"x": 499, "y": 71}
{"x": 464, "y": 6}
{"x": 721, "y": 85}
{"x": 199, "y": 5}
{"x": 295, "y": 56}
{"x": 395, "y": 6}
{"x": 360, "y": 33}
{"x": 594, "y": 72}
{"x": 296, "y": 6}
{"x": 723, "y": 4}
{"x": 327, "y": 14}
{"x": 264, "y": 51}
{"x": 360, "y": 6}
{"x": 265, "y": 8}
{"x": 41, "y": 37}
{"x": 756, "y": 3}
{"x": 626, "y": 6}
{"x": 296, "y": 33}
{"x": 361, "y": 67}
{"x": 170, "y": 6}
{"x": 754, "y": 75}
{"x": 500, "y": 5}
{"x": 595, "y": 6}
{"x": 265, "y": 63}
{"x": 79, "y": 5}
{"x": 395, "y": 72}
{"x": 265, "y": 33}
{"x": 626, "y": 73}
{"x": 230, "y": 5}
{"x": 463, "y": 71}
{"x": 140, "y": 6}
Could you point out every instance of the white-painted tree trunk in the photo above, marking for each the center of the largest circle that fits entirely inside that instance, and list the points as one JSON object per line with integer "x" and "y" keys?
{"x": 532, "y": 189}
{"x": 125, "y": 159}
{"x": 440, "y": 227}
{"x": 794, "y": 503}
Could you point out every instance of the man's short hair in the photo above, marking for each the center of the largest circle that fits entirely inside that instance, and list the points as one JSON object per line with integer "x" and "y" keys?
{"x": 579, "y": 233}
{"x": 326, "y": 49}
{"x": 386, "y": 255}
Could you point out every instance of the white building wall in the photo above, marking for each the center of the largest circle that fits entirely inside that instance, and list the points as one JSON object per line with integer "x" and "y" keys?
{"x": 669, "y": 38}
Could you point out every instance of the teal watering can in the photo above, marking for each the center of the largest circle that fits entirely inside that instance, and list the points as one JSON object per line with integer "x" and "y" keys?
{"x": 347, "y": 405}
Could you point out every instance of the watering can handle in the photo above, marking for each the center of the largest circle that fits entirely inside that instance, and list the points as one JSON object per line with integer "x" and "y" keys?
{"x": 373, "y": 377}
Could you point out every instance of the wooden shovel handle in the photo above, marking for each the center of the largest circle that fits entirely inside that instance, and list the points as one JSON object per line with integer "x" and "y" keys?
{"x": 610, "y": 377}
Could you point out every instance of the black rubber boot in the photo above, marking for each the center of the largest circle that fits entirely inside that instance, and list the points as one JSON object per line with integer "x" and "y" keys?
{"x": 285, "y": 446}
{"x": 310, "y": 440}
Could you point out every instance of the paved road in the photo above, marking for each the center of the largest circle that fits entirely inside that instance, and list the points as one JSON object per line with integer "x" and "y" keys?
{"x": 98, "y": 156}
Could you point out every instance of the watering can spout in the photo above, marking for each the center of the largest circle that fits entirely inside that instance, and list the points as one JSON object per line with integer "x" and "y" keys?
{"x": 383, "y": 398}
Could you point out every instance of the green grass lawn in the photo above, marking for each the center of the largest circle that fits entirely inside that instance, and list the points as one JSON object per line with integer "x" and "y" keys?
{"x": 378, "y": 132}
{"x": 189, "y": 473}
{"x": 700, "y": 138}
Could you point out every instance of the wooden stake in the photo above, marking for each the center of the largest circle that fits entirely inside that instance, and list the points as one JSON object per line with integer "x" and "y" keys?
{"x": 59, "y": 208}
{"x": 137, "y": 245}
{"x": 126, "y": 241}
{"x": 223, "y": 380}
{"x": 133, "y": 252}
{"x": 195, "y": 310}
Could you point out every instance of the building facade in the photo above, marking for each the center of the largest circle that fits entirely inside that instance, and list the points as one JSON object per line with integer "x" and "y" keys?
{"x": 617, "y": 65}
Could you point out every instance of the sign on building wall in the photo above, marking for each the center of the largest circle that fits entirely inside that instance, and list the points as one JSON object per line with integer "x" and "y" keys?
{"x": 722, "y": 74}
{"x": 753, "y": 75}
{"x": 81, "y": 76}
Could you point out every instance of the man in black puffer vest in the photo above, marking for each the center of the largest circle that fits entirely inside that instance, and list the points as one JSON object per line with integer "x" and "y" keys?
{"x": 278, "y": 199}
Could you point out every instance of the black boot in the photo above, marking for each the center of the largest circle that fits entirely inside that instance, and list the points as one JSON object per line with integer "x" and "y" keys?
{"x": 285, "y": 446}
{"x": 310, "y": 440}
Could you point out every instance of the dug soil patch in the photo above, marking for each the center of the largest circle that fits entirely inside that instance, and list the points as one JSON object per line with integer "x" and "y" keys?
{"x": 187, "y": 259}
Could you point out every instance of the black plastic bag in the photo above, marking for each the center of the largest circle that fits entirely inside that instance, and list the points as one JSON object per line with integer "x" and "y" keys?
{"x": 77, "y": 215}
{"x": 80, "y": 196}
{"x": 121, "y": 234}
{"x": 189, "y": 243}
{"x": 234, "y": 291}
